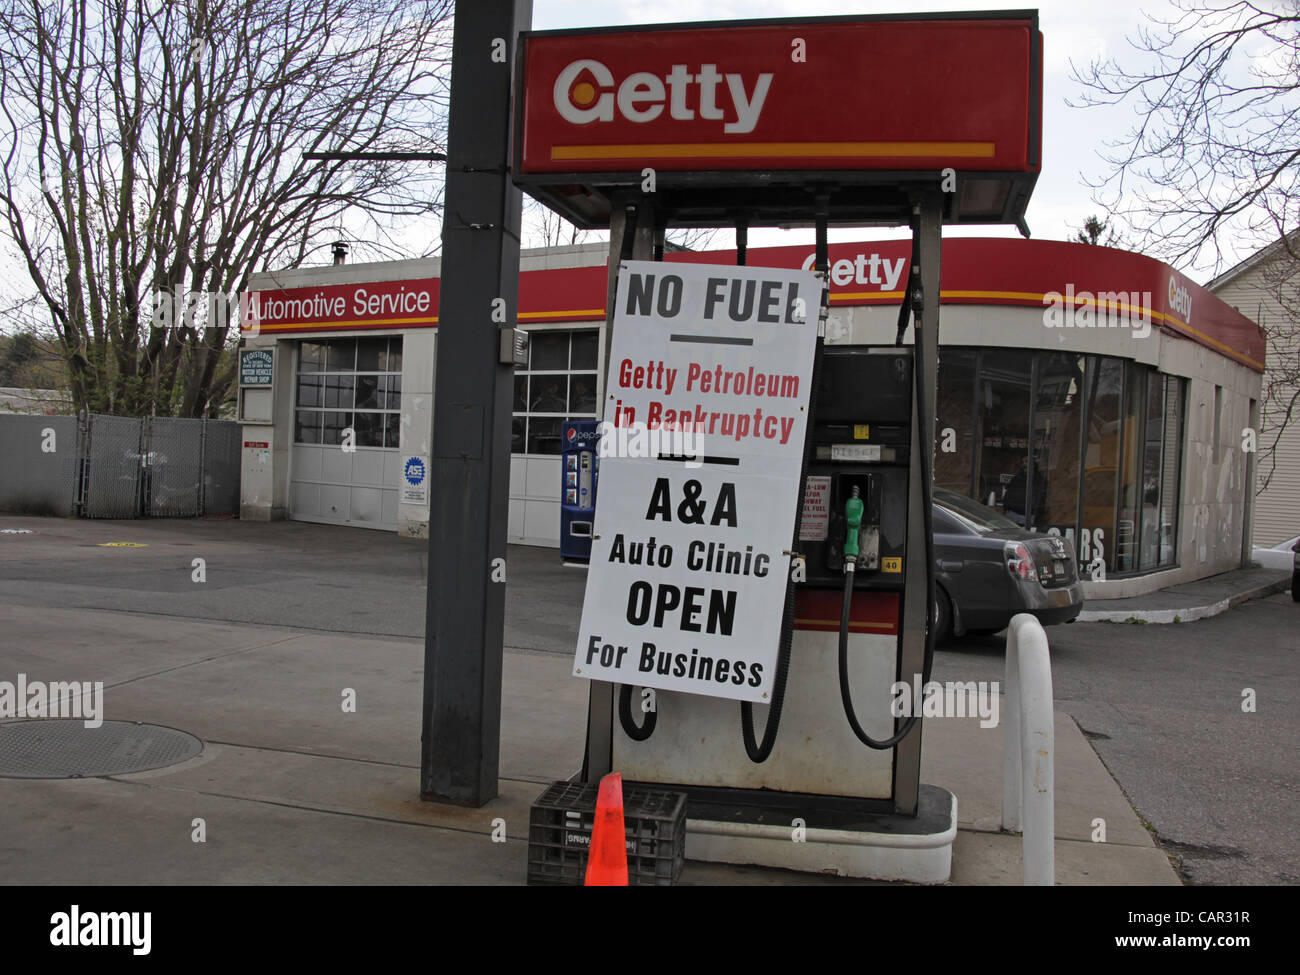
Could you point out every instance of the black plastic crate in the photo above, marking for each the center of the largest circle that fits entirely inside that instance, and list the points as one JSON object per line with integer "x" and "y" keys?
{"x": 559, "y": 834}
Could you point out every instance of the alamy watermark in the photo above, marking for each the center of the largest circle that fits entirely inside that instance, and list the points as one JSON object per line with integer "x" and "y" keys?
{"x": 951, "y": 699}
{"x": 75, "y": 928}
{"x": 53, "y": 699}
{"x": 1105, "y": 309}
{"x": 662, "y": 441}
{"x": 205, "y": 309}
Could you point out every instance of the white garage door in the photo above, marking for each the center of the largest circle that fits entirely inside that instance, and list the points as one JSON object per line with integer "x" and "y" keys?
{"x": 346, "y": 465}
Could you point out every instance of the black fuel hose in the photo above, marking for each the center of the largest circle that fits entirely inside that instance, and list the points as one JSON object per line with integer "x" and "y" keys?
{"x": 846, "y": 695}
{"x": 757, "y": 751}
{"x": 912, "y": 301}
{"x": 625, "y": 717}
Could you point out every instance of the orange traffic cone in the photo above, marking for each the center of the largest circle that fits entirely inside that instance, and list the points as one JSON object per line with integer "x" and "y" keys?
{"x": 607, "y": 856}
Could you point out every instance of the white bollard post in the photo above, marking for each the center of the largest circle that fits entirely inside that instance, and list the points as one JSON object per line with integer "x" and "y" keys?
{"x": 1011, "y": 734}
{"x": 1028, "y": 783}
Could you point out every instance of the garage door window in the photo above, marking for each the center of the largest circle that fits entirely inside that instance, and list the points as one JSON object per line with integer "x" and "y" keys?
{"x": 349, "y": 383}
{"x": 558, "y": 384}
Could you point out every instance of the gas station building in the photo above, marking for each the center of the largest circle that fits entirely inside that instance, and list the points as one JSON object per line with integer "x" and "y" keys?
{"x": 1082, "y": 390}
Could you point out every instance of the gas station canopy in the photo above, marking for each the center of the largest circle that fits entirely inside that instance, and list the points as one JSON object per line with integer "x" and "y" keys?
{"x": 751, "y": 120}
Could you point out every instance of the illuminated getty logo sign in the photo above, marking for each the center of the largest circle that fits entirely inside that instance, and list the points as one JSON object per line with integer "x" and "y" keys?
{"x": 763, "y": 95}
{"x": 688, "y": 571}
{"x": 642, "y": 96}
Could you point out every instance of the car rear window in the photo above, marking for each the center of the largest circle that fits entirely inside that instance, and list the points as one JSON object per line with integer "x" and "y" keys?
{"x": 946, "y": 523}
{"x": 972, "y": 514}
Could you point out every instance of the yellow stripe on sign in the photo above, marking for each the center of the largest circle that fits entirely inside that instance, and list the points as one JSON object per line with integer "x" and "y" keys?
{"x": 370, "y": 323}
{"x": 745, "y": 150}
{"x": 858, "y": 624}
{"x": 580, "y": 312}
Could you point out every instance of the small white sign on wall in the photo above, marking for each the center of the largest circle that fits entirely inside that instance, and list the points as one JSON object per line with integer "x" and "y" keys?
{"x": 415, "y": 479}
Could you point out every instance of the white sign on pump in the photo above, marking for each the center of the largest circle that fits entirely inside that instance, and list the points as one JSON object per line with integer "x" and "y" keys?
{"x": 709, "y": 381}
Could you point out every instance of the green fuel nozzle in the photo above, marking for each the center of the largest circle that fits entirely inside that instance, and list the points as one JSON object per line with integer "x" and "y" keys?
{"x": 853, "y": 514}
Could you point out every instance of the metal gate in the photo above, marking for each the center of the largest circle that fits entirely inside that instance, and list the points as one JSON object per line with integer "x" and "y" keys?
{"x": 101, "y": 466}
{"x": 173, "y": 468}
{"x": 111, "y": 467}
{"x": 40, "y": 464}
{"x": 221, "y": 456}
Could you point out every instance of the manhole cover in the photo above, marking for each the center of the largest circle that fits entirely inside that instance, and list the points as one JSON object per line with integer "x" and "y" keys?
{"x": 67, "y": 749}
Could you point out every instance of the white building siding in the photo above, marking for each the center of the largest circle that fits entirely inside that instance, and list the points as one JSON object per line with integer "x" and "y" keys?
{"x": 1277, "y": 468}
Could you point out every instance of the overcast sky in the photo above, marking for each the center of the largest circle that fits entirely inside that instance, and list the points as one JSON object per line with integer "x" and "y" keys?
{"x": 1072, "y": 137}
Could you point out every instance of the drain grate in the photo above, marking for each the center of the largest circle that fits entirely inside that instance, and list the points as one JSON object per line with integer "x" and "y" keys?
{"x": 67, "y": 749}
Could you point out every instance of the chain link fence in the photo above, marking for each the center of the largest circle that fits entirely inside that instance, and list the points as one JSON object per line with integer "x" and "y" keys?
{"x": 101, "y": 466}
{"x": 174, "y": 469}
{"x": 40, "y": 465}
{"x": 111, "y": 467}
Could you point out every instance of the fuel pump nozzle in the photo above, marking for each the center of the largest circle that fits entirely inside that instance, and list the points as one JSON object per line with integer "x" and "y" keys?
{"x": 852, "y": 515}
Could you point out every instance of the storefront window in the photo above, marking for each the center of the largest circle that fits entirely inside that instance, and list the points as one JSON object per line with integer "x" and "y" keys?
{"x": 1002, "y": 462}
{"x": 349, "y": 383}
{"x": 1058, "y": 419}
{"x": 1171, "y": 469}
{"x": 1130, "y": 497}
{"x": 1106, "y": 445}
{"x": 955, "y": 403}
{"x": 1152, "y": 464}
{"x": 1105, "y": 387}
{"x": 559, "y": 383}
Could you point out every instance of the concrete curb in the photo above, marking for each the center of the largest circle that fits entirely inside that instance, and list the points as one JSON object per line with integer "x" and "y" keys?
{"x": 1182, "y": 614}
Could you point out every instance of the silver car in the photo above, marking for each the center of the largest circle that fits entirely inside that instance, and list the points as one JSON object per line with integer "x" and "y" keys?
{"x": 988, "y": 569}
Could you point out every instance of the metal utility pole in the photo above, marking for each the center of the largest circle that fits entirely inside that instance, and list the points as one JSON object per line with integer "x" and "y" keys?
{"x": 465, "y": 615}
{"x": 916, "y": 608}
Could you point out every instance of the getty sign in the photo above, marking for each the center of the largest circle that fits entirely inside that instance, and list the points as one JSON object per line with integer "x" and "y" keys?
{"x": 763, "y": 96}
{"x": 689, "y": 560}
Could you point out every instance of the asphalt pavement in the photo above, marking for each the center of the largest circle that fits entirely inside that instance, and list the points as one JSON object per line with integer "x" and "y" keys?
{"x": 252, "y": 660}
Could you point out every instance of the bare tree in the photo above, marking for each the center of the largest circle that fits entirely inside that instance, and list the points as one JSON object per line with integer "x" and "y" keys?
{"x": 1097, "y": 231}
{"x": 693, "y": 238}
{"x": 1216, "y": 149}
{"x": 152, "y": 158}
{"x": 546, "y": 228}
{"x": 543, "y": 227}
{"x": 1215, "y": 158}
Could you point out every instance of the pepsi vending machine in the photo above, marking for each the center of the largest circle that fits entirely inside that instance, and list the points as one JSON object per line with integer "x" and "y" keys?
{"x": 579, "y": 471}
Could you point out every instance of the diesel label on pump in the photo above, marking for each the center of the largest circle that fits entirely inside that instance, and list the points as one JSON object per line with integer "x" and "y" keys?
{"x": 688, "y": 566}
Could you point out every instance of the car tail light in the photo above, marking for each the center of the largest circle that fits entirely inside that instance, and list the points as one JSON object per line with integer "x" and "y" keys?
{"x": 1019, "y": 563}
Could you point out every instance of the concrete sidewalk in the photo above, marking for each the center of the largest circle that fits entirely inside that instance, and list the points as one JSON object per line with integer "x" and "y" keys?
{"x": 1191, "y": 600}
{"x": 293, "y": 790}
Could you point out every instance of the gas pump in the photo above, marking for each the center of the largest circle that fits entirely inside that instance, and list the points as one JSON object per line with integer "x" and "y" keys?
{"x": 861, "y": 445}
{"x": 822, "y": 752}
{"x": 847, "y": 610}
{"x": 832, "y": 753}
